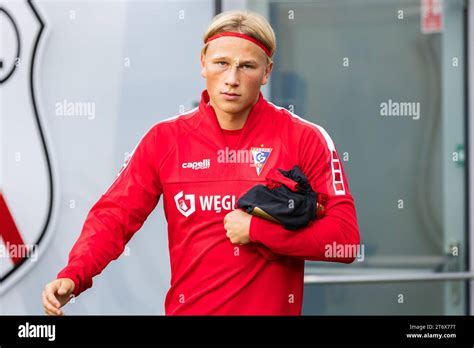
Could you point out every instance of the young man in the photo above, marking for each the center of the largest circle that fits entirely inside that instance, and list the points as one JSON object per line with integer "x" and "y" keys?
{"x": 223, "y": 260}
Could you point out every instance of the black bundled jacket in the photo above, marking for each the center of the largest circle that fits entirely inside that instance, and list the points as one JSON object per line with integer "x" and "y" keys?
{"x": 287, "y": 199}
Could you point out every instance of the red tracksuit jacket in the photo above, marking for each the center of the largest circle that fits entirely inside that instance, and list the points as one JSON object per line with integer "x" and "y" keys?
{"x": 189, "y": 160}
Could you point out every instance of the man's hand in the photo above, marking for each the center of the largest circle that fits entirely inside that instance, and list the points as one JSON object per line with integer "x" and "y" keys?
{"x": 56, "y": 294}
{"x": 237, "y": 225}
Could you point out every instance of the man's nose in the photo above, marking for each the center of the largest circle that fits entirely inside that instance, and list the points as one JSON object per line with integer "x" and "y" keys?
{"x": 232, "y": 78}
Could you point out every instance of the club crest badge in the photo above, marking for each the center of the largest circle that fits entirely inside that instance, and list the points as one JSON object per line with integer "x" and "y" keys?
{"x": 260, "y": 156}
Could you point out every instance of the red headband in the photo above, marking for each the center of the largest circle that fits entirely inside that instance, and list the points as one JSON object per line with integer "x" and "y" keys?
{"x": 242, "y": 36}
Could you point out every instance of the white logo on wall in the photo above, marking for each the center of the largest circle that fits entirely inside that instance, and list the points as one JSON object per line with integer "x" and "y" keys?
{"x": 27, "y": 190}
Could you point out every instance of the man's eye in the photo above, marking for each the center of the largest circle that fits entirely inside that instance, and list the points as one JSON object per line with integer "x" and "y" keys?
{"x": 222, "y": 63}
{"x": 247, "y": 66}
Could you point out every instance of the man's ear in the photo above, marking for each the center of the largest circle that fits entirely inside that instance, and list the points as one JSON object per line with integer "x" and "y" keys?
{"x": 268, "y": 71}
{"x": 203, "y": 64}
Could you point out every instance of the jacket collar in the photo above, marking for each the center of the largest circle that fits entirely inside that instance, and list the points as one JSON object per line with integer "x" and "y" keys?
{"x": 210, "y": 123}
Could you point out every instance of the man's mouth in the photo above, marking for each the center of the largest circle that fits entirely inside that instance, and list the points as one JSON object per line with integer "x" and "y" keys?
{"x": 231, "y": 94}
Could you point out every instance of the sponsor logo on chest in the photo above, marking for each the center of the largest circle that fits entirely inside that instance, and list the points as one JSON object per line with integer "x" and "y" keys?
{"x": 186, "y": 203}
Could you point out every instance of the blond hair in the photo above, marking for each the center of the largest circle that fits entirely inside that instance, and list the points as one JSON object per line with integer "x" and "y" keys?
{"x": 243, "y": 22}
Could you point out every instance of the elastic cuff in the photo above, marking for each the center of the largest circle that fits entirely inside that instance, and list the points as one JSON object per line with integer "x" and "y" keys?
{"x": 65, "y": 274}
{"x": 253, "y": 229}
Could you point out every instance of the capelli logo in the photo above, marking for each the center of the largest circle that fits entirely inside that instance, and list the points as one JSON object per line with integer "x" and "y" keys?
{"x": 204, "y": 164}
